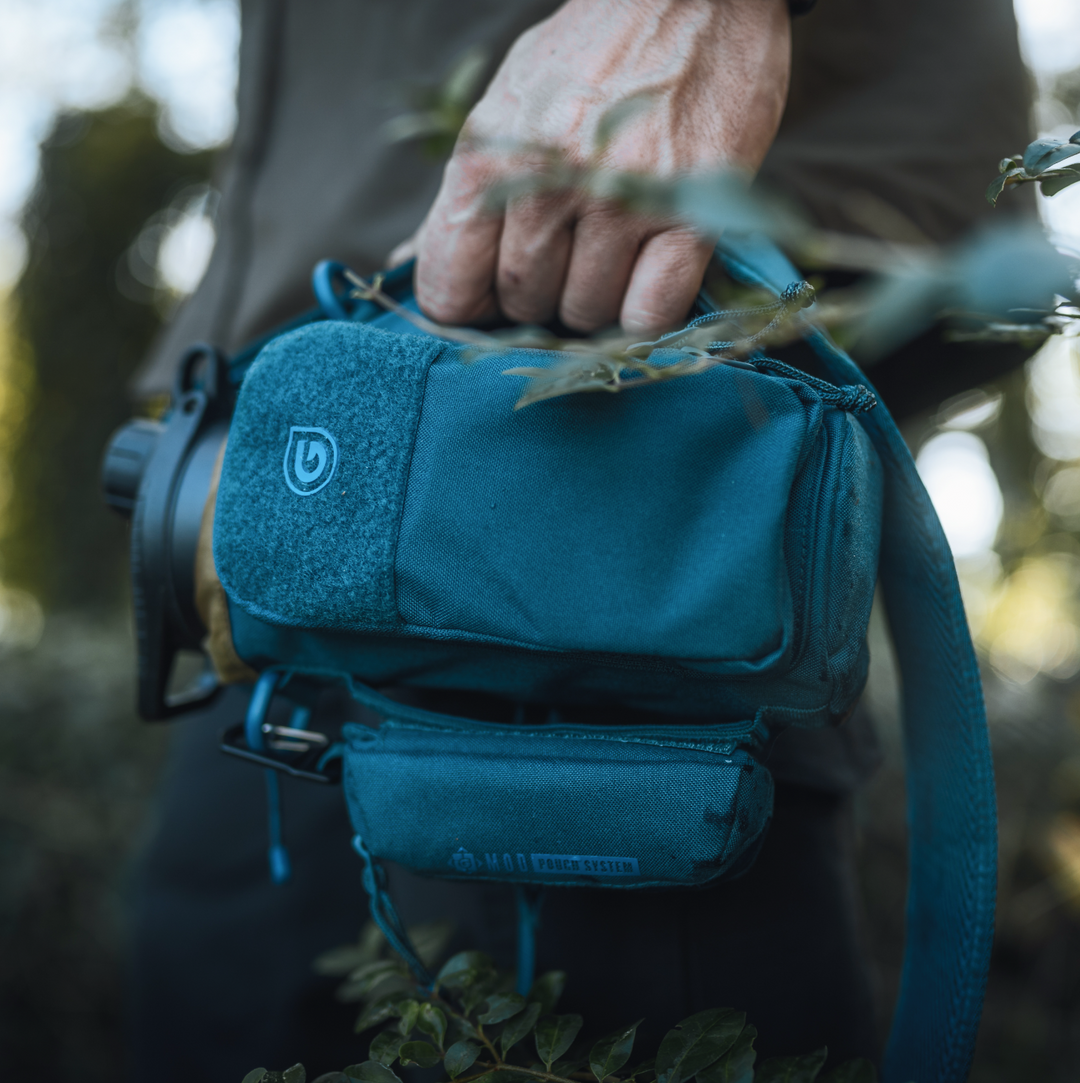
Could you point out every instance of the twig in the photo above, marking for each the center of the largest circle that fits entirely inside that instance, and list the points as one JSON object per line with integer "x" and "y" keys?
{"x": 371, "y": 291}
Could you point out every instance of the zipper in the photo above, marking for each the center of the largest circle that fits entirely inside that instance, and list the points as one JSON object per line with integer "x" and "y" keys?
{"x": 722, "y": 738}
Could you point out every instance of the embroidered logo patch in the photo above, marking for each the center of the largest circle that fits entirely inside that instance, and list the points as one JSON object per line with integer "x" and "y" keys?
{"x": 310, "y": 459}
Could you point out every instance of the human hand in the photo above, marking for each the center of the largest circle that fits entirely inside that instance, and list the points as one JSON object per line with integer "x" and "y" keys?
{"x": 715, "y": 73}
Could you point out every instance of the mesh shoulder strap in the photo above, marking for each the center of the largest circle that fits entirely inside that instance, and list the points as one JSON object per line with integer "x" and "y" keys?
{"x": 951, "y": 806}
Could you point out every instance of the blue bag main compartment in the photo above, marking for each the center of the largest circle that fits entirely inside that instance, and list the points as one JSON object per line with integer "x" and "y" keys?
{"x": 706, "y": 546}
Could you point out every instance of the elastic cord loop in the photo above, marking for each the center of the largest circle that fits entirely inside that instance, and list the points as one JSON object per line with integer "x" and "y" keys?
{"x": 258, "y": 705}
{"x": 386, "y": 917}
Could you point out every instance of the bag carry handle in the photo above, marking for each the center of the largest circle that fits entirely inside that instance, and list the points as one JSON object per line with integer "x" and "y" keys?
{"x": 951, "y": 805}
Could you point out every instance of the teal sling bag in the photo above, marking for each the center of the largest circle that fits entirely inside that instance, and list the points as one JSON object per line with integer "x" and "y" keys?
{"x": 696, "y": 559}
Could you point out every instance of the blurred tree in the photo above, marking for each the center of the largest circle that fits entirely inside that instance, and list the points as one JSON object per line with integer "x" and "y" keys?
{"x": 103, "y": 174}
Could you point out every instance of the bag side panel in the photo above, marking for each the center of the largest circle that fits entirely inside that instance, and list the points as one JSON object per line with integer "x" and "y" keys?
{"x": 853, "y": 562}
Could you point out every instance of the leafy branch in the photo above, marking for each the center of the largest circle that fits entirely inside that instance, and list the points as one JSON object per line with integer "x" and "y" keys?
{"x": 614, "y": 363}
{"x": 439, "y": 112}
{"x": 1004, "y": 284}
{"x": 476, "y": 1027}
{"x": 1042, "y": 163}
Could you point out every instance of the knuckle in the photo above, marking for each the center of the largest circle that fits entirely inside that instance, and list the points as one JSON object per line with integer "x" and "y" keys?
{"x": 580, "y": 316}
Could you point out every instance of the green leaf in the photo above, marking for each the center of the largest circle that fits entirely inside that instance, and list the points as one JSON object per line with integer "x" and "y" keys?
{"x": 462, "y": 969}
{"x": 459, "y": 1029}
{"x": 366, "y": 981}
{"x": 332, "y": 1077}
{"x": 644, "y": 1070}
{"x": 998, "y": 184}
{"x": 802, "y": 1069}
{"x": 501, "y": 1007}
{"x": 390, "y": 985}
{"x": 409, "y": 1011}
{"x": 518, "y": 1027}
{"x": 852, "y": 1071}
{"x": 462, "y": 85}
{"x": 295, "y": 1074}
{"x": 571, "y": 375}
{"x": 547, "y": 989}
{"x": 554, "y": 1036}
{"x": 374, "y": 1014}
{"x": 697, "y": 1042}
{"x": 477, "y": 994}
{"x": 737, "y": 1064}
{"x": 618, "y": 115}
{"x": 432, "y": 1021}
{"x": 576, "y": 1058}
{"x": 421, "y": 1053}
{"x": 371, "y": 1071}
{"x": 378, "y": 1011}
{"x": 1052, "y": 185}
{"x": 339, "y": 961}
{"x": 384, "y": 1047}
{"x": 719, "y": 202}
{"x": 610, "y": 1053}
{"x": 254, "y": 1076}
{"x": 1051, "y": 151}
{"x": 460, "y": 1057}
{"x": 1036, "y": 153}
{"x": 430, "y": 939}
{"x": 370, "y": 973}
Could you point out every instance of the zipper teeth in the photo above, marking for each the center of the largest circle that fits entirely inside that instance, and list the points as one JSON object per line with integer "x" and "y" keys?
{"x": 720, "y": 736}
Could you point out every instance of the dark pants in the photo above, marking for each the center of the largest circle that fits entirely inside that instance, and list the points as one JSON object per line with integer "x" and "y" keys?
{"x": 222, "y": 979}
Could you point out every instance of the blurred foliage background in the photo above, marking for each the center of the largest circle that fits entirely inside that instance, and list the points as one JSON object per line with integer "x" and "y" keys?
{"x": 117, "y": 226}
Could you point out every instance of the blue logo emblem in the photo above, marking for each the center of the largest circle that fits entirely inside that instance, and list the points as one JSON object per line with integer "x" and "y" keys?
{"x": 463, "y": 861}
{"x": 310, "y": 459}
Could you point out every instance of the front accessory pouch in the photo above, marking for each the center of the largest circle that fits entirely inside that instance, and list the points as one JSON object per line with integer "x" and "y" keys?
{"x": 652, "y": 806}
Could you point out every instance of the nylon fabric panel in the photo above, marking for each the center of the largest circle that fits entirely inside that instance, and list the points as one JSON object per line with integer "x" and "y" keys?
{"x": 518, "y": 674}
{"x": 645, "y": 523}
{"x": 645, "y": 814}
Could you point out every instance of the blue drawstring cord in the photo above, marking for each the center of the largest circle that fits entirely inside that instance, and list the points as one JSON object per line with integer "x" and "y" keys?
{"x": 280, "y": 867}
{"x": 529, "y": 900}
{"x": 258, "y": 705}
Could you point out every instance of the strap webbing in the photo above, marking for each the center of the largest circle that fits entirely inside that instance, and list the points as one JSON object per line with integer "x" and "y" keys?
{"x": 952, "y": 816}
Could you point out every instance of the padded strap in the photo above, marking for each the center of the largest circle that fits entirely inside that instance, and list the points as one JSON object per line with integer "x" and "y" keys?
{"x": 952, "y": 815}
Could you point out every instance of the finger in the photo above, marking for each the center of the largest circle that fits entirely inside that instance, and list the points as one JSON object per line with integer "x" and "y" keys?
{"x": 534, "y": 252}
{"x": 458, "y": 246}
{"x": 606, "y": 243}
{"x": 666, "y": 278}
